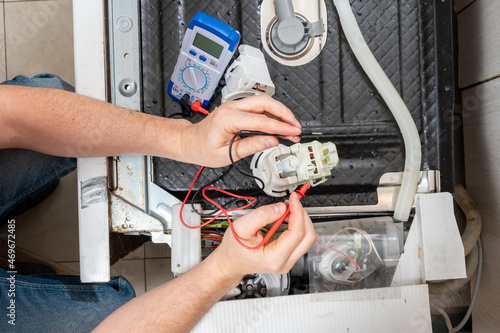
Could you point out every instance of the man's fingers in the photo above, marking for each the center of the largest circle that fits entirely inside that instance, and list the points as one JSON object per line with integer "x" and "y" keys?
{"x": 305, "y": 245}
{"x": 265, "y": 103}
{"x": 257, "y": 122}
{"x": 291, "y": 238}
{"x": 247, "y": 226}
{"x": 248, "y": 146}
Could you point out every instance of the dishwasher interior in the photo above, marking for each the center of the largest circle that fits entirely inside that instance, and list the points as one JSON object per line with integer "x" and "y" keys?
{"x": 334, "y": 100}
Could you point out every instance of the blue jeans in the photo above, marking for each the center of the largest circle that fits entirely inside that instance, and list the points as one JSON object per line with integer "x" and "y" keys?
{"x": 58, "y": 303}
{"x": 47, "y": 303}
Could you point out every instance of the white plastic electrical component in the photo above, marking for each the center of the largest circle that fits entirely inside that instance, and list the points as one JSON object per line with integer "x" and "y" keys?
{"x": 247, "y": 76}
{"x": 316, "y": 160}
{"x": 283, "y": 168}
{"x": 334, "y": 266}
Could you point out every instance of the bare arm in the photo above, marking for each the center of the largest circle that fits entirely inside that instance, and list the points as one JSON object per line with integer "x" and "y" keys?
{"x": 179, "y": 304}
{"x": 66, "y": 124}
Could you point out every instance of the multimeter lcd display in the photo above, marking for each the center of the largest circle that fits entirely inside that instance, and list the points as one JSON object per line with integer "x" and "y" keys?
{"x": 207, "y": 45}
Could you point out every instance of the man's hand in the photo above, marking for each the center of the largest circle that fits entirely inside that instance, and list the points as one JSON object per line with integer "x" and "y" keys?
{"x": 278, "y": 256}
{"x": 194, "y": 292}
{"x": 207, "y": 142}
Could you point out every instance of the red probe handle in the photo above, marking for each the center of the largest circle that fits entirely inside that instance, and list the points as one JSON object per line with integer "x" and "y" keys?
{"x": 197, "y": 108}
{"x": 301, "y": 193}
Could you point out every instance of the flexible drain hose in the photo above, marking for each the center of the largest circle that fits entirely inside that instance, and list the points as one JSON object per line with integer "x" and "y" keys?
{"x": 394, "y": 102}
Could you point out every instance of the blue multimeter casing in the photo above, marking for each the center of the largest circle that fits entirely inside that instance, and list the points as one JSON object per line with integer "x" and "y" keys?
{"x": 207, "y": 48}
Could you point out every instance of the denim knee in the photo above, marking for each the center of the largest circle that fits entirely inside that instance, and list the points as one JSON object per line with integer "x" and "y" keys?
{"x": 40, "y": 81}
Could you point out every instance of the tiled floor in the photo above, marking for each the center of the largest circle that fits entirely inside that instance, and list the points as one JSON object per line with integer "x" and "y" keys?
{"x": 37, "y": 37}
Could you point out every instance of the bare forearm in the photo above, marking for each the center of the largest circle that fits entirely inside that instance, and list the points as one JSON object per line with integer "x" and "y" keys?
{"x": 175, "y": 306}
{"x": 66, "y": 124}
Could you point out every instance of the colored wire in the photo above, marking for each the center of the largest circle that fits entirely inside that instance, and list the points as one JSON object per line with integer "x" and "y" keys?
{"x": 226, "y": 171}
{"x": 216, "y": 204}
{"x": 227, "y": 224}
{"x": 261, "y": 185}
{"x": 355, "y": 244}
{"x": 370, "y": 241}
{"x": 339, "y": 252}
{"x": 211, "y": 232}
{"x": 276, "y": 225}
{"x": 267, "y": 237}
{"x": 368, "y": 238}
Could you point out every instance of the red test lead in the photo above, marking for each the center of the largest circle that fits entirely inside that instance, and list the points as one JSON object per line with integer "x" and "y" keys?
{"x": 196, "y": 107}
{"x": 301, "y": 193}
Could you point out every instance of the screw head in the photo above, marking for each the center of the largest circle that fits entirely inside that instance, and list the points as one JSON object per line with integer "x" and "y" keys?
{"x": 124, "y": 24}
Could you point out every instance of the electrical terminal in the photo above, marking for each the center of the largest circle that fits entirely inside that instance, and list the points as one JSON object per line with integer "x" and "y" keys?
{"x": 283, "y": 168}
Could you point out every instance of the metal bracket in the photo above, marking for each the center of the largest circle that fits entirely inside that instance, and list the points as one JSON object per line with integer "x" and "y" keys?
{"x": 125, "y": 217}
{"x": 134, "y": 194}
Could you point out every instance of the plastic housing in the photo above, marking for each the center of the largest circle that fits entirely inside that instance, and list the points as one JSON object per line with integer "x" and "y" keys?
{"x": 342, "y": 243}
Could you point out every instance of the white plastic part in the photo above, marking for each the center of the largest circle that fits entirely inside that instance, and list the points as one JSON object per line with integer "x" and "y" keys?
{"x": 394, "y": 102}
{"x": 264, "y": 165}
{"x": 289, "y": 164}
{"x": 433, "y": 250}
{"x": 186, "y": 243}
{"x": 247, "y": 76}
{"x": 404, "y": 309}
{"x": 443, "y": 250}
{"x": 327, "y": 265}
{"x": 283, "y": 168}
{"x": 89, "y": 25}
{"x": 316, "y": 160}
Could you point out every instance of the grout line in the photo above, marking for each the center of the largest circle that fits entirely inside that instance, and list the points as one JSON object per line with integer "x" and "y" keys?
{"x": 461, "y": 10}
{"x": 473, "y": 85}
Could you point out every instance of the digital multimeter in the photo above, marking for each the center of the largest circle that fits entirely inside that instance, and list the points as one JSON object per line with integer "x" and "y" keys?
{"x": 207, "y": 48}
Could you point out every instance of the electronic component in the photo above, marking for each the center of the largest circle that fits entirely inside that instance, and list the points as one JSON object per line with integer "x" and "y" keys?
{"x": 247, "y": 76}
{"x": 283, "y": 168}
{"x": 263, "y": 285}
{"x": 353, "y": 254}
{"x": 207, "y": 48}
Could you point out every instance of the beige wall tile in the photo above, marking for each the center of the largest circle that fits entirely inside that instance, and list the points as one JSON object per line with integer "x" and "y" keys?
{"x": 154, "y": 250}
{"x": 74, "y": 265}
{"x": 39, "y": 38}
{"x": 3, "y": 72}
{"x": 158, "y": 272}
{"x": 136, "y": 254}
{"x": 482, "y": 165}
{"x": 459, "y": 4}
{"x": 133, "y": 271}
{"x": 478, "y": 42}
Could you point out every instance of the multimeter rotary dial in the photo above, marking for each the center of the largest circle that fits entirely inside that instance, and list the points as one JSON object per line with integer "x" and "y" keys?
{"x": 194, "y": 78}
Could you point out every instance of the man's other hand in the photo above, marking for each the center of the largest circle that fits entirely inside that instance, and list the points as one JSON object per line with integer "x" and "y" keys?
{"x": 277, "y": 256}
